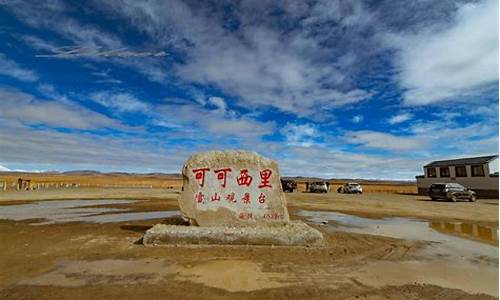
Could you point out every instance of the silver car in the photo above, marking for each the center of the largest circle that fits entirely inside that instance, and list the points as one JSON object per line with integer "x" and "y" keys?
{"x": 318, "y": 187}
{"x": 351, "y": 188}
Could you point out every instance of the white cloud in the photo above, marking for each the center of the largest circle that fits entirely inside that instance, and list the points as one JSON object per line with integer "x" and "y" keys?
{"x": 304, "y": 135}
{"x": 4, "y": 169}
{"x": 385, "y": 141}
{"x": 25, "y": 109}
{"x": 263, "y": 66}
{"x": 438, "y": 64}
{"x": 10, "y": 68}
{"x": 202, "y": 121}
{"x": 121, "y": 102}
{"x": 218, "y": 102}
{"x": 38, "y": 43}
{"x": 455, "y": 139}
{"x": 47, "y": 149}
{"x": 53, "y": 15}
{"x": 328, "y": 163}
{"x": 357, "y": 119}
{"x": 400, "y": 118}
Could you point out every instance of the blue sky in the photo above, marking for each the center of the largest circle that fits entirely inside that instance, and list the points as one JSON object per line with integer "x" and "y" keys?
{"x": 352, "y": 89}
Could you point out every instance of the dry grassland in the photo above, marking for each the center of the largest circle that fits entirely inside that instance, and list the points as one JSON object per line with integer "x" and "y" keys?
{"x": 172, "y": 182}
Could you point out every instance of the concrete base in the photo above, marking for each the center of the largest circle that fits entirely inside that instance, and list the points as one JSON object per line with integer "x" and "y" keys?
{"x": 295, "y": 233}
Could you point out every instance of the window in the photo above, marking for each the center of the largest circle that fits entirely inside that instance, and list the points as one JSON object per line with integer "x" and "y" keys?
{"x": 460, "y": 171}
{"x": 444, "y": 172}
{"x": 431, "y": 172}
{"x": 477, "y": 170}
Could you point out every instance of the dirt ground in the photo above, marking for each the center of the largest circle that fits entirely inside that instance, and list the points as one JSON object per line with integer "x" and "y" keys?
{"x": 95, "y": 261}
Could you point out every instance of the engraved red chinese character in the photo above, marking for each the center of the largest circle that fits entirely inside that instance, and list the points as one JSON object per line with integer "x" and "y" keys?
{"x": 264, "y": 178}
{"x": 222, "y": 175}
{"x": 244, "y": 178}
{"x": 246, "y": 198}
{"x": 199, "y": 174}
{"x": 199, "y": 197}
{"x": 230, "y": 197}
{"x": 262, "y": 198}
{"x": 215, "y": 197}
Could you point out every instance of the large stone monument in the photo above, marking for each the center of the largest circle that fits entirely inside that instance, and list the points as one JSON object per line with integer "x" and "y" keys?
{"x": 233, "y": 197}
{"x": 232, "y": 187}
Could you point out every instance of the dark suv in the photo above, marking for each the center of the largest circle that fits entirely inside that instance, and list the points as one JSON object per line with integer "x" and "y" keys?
{"x": 451, "y": 191}
{"x": 288, "y": 185}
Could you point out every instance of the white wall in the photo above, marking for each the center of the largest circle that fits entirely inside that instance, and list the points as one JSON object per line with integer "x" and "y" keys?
{"x": 493, "y": 166}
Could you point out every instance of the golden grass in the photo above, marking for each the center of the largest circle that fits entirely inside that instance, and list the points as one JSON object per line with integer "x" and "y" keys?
{"x": 382, "y": 187}
{"x": 173, "y": 182}
{"x": 101, "y": 180}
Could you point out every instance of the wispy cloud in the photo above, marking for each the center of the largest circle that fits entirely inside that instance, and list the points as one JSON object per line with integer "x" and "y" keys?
{"x": 53, "y": 15}
{"x": 52, "y": 148}
{"x": 304, "y": 135}
{"x": 11, "y": 68}
{"x": 72, "y": 52}
{"x": 400, "y": 118}
{"x": 121, "y": 102}
{"x": 217, "y": 122}
{"x": 23, "y": 108}
{"x": 385, "y": 141}
{"x": 445, "y": 62}
{"x": 287, "y": 71}
{"x": 357, "y": 119}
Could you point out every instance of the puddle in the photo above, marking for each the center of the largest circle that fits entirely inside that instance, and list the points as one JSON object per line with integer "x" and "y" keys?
{"x": 107, "y": 271}
{"x": 458, "y": 238}
{"x": 231, "y": 275}
{"x": 64, "y": 211}
{"x": 471, "y": 278}
{"x": 461, "y": 255}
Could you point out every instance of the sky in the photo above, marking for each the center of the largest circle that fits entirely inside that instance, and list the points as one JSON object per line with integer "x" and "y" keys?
{"x": 334, "y": 89}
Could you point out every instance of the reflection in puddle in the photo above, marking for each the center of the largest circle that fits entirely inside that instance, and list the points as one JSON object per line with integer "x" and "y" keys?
{"x": 469, "y": 230}
{"x": 64, "y": 211}
{"x": 459, "y": 256}
{"x": 414, "y": 229}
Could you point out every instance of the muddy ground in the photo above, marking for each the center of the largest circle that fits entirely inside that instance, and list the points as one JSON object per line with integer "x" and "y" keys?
{"x": 54, "y": 257}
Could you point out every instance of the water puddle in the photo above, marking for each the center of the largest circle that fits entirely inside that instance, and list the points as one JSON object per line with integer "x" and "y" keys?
{"x": 482, "y": 239}
{"x": 461, "y": 255}
{"x": 471, "y": 278}
{"x": 230, "y": 275}
{"x": 106, "y": 271}
{"x": 64, "y": 211}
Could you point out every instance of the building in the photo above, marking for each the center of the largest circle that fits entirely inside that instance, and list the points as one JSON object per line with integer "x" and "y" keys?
{"x": 477, "y": 173}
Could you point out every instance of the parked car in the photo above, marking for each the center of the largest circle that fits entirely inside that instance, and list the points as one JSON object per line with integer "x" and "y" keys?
{"x": 318, "y": 187}
{"x": 451, "y": 192}
{"x": 350, "y": 188}
{"x": 288, "y": 185}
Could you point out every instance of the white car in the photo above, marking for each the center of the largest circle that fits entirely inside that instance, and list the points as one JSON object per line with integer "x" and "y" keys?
{"x": 351, "y": 188}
